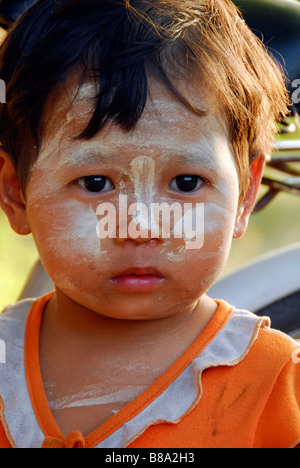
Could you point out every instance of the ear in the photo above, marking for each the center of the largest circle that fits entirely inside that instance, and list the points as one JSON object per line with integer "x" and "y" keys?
{"x": 11, "y": 198}
{"x": 246, "y": 207}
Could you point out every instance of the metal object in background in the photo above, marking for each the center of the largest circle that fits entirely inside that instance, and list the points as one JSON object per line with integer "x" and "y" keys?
{"x": 285, "y": 165}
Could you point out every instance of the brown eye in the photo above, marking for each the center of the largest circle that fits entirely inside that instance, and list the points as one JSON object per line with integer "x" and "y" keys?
{"x": 95, "y": 184}
{"x": 186, "y": 183}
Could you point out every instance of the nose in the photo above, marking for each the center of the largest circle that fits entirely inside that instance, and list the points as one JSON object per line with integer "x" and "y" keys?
{"x": 139, "y": 242}
{"x": 138, "y": 228}
{"x": 134, "y": 236}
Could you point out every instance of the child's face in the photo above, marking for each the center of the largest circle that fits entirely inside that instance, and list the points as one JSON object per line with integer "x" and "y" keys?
{"x": 63, "y": 194}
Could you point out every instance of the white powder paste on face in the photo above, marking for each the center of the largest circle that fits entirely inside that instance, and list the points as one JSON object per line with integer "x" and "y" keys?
{"x": 142, "y": 176}
{"x": 74, "y": 224}
{"x": 216, "y": 217}
{"x": 71, "y": 243}
{"x": 84, "y": 229}
{"x": 211, "y": 220}
{"x": 177, "y": 255}
{"x": 191, "y": 227}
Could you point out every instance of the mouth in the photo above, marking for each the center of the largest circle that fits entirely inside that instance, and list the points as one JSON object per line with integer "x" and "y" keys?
{"x": 138, "y": 279}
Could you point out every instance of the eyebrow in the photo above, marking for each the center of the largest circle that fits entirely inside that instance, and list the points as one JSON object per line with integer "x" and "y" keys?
{"x": 86, "y": 156}
{"x": 196, "y": 158}
{"x": 103, "y": 156}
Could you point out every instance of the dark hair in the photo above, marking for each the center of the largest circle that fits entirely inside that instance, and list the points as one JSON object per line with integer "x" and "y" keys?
{"x": 118, "y": 43}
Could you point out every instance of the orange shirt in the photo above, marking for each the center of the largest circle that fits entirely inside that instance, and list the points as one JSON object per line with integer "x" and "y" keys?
{"x": 237, "y": 385}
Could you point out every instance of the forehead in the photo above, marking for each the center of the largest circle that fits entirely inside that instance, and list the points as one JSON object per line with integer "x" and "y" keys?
{"x": 166, "y": 124}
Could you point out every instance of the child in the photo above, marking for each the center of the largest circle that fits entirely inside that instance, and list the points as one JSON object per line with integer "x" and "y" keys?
{"x": 129, "y": 104}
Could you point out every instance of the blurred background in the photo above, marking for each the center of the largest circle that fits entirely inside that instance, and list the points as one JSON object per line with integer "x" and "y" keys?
{"x": 276, "y": 226}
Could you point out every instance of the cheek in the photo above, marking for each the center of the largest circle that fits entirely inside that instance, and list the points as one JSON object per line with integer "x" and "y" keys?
{"x": 65, "y": 236}
{"x": 200, "y": 267}
{"x": 218, "y": 229}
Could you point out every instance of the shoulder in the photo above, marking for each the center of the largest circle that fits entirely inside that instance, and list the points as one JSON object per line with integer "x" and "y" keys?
{"x": 269, "y": 350}
{"x": 279, "y": 423}
{"x": 273, "y": 368}
{"x": 17, "y": 418}
{"x": 17, "y": 308}
{"x": 266, "y": 344}
{"x": 12, "y": 334}
{"x": 13, "y": 321}
{"x": 267, "y": 353}
{"x": 274, "y": 357}
{"x": 267, "y": 375}
{"x": 277, "y": 347}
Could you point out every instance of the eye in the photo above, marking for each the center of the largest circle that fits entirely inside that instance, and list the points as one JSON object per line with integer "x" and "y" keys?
{"x": 95, "y": 184}
{"x": 186, "y": 183}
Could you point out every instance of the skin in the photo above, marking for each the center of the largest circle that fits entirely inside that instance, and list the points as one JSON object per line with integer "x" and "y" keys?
{"x": 91, "y": 327}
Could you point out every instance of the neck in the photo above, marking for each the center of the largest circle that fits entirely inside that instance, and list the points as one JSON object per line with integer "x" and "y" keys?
{"x": 88, "y": 328}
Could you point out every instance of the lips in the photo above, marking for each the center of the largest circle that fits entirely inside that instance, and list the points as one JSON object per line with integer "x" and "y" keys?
{"x": 138, "y": 279}
{"x": 138, "y": 271}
